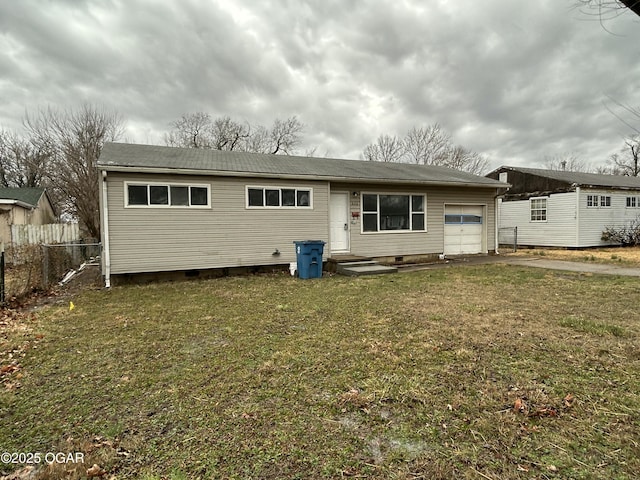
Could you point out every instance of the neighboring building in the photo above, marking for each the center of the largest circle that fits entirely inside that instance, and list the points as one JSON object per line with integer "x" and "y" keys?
{"x": 565, "y": 209}
{"x": 23, "y": 206}
{"x": 177, "y": 209}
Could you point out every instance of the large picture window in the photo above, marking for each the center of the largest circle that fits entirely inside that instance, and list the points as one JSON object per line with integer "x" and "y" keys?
{"x": 166, "y": 195}
{"x": 279, "y": 197}
{"x": 393, "y": 212}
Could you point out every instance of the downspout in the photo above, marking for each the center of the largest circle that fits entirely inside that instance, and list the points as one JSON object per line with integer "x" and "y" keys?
{"x": 577, "y": 216}
{"x": 496, "y": 223}
{"x": 106, "y": 254}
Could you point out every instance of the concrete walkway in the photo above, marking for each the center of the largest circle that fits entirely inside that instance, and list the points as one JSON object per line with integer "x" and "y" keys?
{"x": 536, "y": 262}
{"x": 583, "y": 267}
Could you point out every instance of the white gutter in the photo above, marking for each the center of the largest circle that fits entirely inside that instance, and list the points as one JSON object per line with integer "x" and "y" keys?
{"x": 106, "y": 254}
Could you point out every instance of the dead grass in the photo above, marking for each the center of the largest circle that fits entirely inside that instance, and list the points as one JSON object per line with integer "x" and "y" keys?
{"x": 477, "y": 372}
{"x": 627, "y": 256}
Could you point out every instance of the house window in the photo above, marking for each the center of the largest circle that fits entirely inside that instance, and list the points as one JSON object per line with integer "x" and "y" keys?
{"x": 598, "y": 200}
{"x": 279, "y": 197}
{"x": 166, "y": 195}
{"x": 538, "y": 209}
{"x": 632, "y": 202}
{"x": 384, "y": 213}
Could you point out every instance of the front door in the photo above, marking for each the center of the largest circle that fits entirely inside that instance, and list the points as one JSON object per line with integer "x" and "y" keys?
{"x": 339, "y": 222}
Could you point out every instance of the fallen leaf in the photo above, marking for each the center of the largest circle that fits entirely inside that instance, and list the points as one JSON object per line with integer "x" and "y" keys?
{"x": 568, "y": 400}
{"x": 95, "y": 471}
{"x": 519, "y": 405}
{"x": 8, "y": 368}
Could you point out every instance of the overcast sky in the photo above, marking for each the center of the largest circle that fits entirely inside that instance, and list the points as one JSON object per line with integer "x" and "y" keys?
{"x": 515, "y": 80}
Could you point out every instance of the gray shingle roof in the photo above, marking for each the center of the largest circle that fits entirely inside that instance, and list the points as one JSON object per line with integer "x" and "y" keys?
{"x": 28, "y": 195}
{"x": 123, "y": 156}
{"x": 580, "y": 178}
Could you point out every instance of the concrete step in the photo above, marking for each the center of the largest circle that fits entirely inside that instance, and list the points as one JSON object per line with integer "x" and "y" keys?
{"x": 364, "y": 268}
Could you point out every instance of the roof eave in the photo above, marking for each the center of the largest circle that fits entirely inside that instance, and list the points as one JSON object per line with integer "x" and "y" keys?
{"x": 327, "y": 178}
{"x": 8, "y": 201}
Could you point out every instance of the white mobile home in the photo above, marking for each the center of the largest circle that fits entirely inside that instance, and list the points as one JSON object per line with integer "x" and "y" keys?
{"x": 565, "y": 209}
{"x": 177, "y": 209}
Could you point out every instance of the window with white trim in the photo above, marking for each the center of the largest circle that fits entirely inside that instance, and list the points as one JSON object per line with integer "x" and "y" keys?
{"x": 633, "y": 202}
{"x": 393, "y": 212}
{"x": 598, "y": 200}
{"x": 166, "y": 195}
{"x": 538, "y": 208}
{"x": 279, "y": 197}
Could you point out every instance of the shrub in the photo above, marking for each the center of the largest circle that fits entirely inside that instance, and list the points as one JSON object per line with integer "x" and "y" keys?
{"x": 627, "y": 235}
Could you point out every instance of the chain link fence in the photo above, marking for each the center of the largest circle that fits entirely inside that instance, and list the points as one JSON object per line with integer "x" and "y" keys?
{"x": 508, "y": 238}
{"x": 31, "y": 268}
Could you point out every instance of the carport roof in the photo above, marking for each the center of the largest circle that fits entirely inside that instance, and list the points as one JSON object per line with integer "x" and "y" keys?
{"x": 159, "y": 159}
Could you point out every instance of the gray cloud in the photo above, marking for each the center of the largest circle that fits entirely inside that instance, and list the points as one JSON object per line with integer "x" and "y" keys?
{"x": 515, "y": 81}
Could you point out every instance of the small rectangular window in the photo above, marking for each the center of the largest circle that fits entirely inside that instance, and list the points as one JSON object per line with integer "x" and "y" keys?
{"x": 272, "y": 198}
{"x": 288, "y": 197}
{"x": 277, "y": 197}
{"x": 605, "y": 201}
{"x": 592, "y": 200}
{"x": 138, "y": 195}
{"x": 179, "y": 196}
{"x": 157, "y": 195}
{"x": 304, "y": 198}
{"x": 256, "y": 197}
{"x": 199, "y": 196}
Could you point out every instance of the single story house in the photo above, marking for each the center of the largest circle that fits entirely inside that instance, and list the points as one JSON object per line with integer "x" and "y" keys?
{"x": 565, "y": 209}
{"x": 23, "y": 206}
{"x": 180, "y": 209}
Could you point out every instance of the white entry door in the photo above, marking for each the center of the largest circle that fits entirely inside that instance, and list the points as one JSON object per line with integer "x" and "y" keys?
{"x": 339, "y": 222}
{"x": 463, "y": 229}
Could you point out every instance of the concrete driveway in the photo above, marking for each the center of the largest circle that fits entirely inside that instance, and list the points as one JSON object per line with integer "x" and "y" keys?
{"x": 536, "y": 262}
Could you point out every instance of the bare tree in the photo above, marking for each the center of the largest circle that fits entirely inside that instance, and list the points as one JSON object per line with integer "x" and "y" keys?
{"x": 74, "y": 139}
{"x": 192, "y": 130}
{"x": 285, "y": 135}
{"x": 228, "y": 134}
{"x": 427, "y": 145}
{"x": 461, "y": 158}
{"x": 607, "y": 8}
{"x": 198, "y": 130}
{"x": 386, "y": 148}
{"x": 626, "y": 162}
{"x": 22, "y": 162}
{"x": 567, "y": 162}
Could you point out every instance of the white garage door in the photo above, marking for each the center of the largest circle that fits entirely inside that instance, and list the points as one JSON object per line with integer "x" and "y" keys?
{"x": 463, "y": 229}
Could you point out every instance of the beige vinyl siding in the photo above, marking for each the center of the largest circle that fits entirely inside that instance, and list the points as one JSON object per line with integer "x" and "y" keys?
{"x": 149, "y": 239}
{"x": 593, "y": 220}
{"x": 415, "y": 242}
{"x": 559, "y": 230}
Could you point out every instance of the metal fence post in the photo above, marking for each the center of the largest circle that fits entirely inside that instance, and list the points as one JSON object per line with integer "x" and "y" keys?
{"x": 45, "y": 267}
{"x": 515, "y": 239}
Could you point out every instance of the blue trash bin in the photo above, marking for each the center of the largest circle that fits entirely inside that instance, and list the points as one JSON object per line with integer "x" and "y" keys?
{"x": 309, "y": 258}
